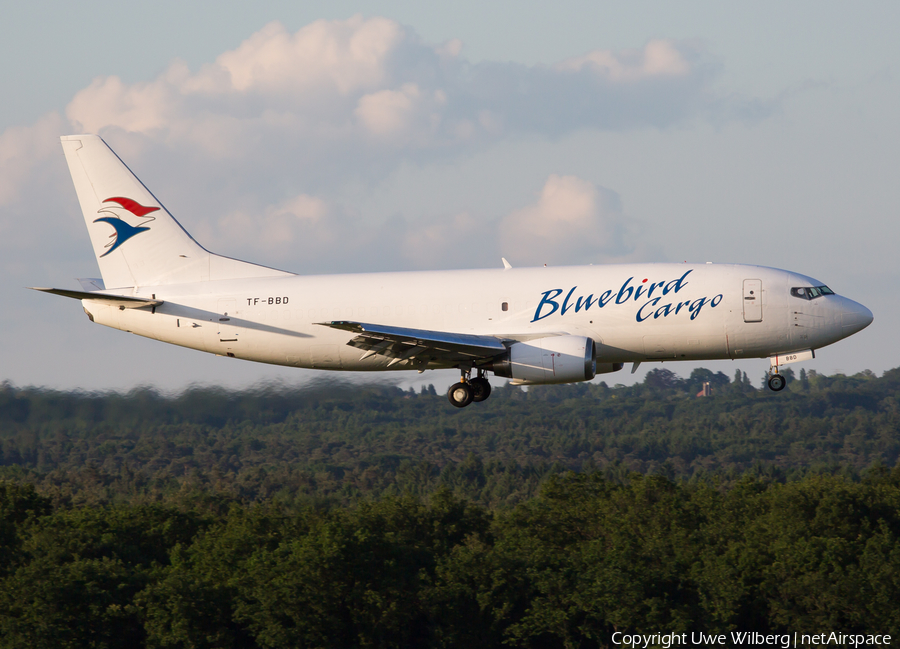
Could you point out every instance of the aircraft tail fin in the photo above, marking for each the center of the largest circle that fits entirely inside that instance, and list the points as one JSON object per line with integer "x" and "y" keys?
{"x": 137, "y": 241}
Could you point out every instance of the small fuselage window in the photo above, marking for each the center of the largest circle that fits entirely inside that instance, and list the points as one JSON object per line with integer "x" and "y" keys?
{"x": 810, "y": 292}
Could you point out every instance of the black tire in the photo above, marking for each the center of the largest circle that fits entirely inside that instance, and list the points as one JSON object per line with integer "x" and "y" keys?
{"x": 460, "y": 394}
{"x": 777, "y": 383}
{"x": 481, "y": 388}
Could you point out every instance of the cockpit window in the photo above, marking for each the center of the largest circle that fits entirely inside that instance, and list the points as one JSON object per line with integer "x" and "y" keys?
{"x": 811, "y": 292}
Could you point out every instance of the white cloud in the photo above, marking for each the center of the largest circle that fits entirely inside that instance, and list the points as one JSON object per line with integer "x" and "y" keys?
{"x": 140, "y": 107}
{"x": 293, "y": 230}
{"x": 23, "y": 151}
{"x": 572, "y": 222}
{"x": 397, "y": 114}
{"x": 340, "y": 103}
{"x": 346, "y": 56}
{"x": 35, "y": 194}
{"x": 659, "y": 58}
{"x": 333, "y": 83}
{"x": 450, "y": 241}
{"x": 292, "y": 119}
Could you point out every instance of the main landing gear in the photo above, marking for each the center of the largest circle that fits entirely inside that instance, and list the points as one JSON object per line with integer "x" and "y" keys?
{"x": 468, "y": 390}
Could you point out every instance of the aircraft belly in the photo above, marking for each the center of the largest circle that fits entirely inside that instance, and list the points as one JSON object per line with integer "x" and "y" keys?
{"x": 660, "y": 346}
{"x": 326, "y": 357}
{"x": 691, "y": 346}
{"x": 185, "y": 332}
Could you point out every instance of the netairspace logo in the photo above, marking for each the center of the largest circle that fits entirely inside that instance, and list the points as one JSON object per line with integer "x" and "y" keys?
{"x": 740, "y": 638}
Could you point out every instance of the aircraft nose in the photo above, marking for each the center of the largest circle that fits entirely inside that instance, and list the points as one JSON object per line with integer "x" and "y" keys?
{"x": 854, "y": 317}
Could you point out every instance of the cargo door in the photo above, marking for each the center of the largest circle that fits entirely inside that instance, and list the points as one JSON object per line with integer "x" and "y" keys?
{"x": 753, "y": 306}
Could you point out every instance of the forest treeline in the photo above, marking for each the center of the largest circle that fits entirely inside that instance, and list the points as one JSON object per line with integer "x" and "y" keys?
{"x": 333, "y": 443}
{"x": 367, "y": 516}
{"x": 585, "y": 558}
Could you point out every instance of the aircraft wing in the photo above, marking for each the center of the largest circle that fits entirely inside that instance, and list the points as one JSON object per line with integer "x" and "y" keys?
{"x": 402, "y": 343}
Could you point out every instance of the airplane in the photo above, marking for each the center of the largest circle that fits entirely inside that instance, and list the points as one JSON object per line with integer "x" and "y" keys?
{"x": 530, "y": 325}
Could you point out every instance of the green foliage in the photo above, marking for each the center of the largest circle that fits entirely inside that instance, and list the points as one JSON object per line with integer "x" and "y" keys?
{"x": 585, "y": 557}
{"x": 332, "y": 444}
{"x": 330, "y": 517}
{"x": 75, "y": 577}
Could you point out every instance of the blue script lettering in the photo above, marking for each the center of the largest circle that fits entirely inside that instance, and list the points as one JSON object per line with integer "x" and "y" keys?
{"x": 664, "y": 311}
{"x": 566, "y": 306}
{"x": 549, "y": 301}
{"x": 582, "y": 303}
{"x": 676, "y": 284}
{"x": 696, "y": 306}
{"x": 652, "y": 303}
{"x": 623, "y": 296}
{"x": 653, "y": 287}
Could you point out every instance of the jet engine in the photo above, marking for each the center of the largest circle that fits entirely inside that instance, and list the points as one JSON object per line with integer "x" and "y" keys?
{"x": 554, "y": 359}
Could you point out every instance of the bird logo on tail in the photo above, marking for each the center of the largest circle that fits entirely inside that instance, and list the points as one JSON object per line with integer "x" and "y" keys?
{"x": 124, "y": 230}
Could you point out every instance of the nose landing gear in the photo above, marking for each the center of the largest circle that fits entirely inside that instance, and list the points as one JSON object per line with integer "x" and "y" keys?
{"x": 776, "y": 382}
{"x": 468, "y": 390}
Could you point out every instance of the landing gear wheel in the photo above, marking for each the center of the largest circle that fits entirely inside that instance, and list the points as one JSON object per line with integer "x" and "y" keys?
{"x": 777, "y": 383}
{"x": 481, "y": 388}
{"x": 460, "y": 394}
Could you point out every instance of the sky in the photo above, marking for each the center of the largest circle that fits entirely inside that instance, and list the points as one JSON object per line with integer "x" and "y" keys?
{"x": 357, "y": 136}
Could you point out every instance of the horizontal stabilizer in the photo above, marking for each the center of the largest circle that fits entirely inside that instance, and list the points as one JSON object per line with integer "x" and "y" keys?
{"x": 121, "y": 301}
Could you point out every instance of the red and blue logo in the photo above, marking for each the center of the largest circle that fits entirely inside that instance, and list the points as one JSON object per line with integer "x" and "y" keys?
{"x": 124, "y": 230}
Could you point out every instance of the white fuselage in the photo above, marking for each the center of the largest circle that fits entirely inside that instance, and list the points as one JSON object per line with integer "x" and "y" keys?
{"x": 530, "y": 325}
{"x": 634, "y": 312}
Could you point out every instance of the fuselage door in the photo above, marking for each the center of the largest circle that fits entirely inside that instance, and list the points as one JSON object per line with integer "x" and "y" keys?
{"x": 753, "y": 307}
{"x": 226, "y": 332}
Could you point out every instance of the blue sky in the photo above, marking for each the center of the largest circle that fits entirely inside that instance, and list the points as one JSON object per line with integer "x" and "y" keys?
{"x": 422, "y": 136}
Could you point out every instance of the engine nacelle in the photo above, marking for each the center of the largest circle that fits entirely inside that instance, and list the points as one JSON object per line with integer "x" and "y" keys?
{"x": 554, "y": 359}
